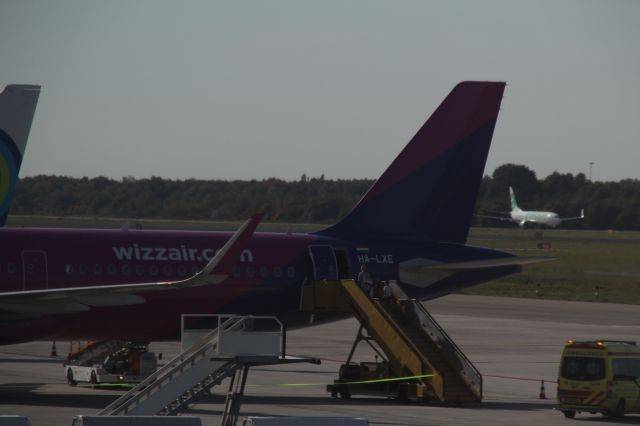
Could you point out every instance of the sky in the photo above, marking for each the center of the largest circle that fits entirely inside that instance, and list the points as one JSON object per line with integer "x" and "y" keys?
{"x": 259, "y": 89}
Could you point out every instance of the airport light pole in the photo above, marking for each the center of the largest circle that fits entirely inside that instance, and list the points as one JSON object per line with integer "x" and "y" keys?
{"x": 591, "y": 163}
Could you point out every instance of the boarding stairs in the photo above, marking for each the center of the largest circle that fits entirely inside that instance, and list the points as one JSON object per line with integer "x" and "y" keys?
{"x": 412, "y": 340}
{"x": 217, "y": 355}
{"x": 92, "y": 350}
{"x": 461, "y": 381}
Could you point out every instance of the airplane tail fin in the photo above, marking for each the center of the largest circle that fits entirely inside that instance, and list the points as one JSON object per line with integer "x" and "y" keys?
{"x": 512, "y": 197}
{"x": 430, "y": 189}
{"x": 17, "y": 107}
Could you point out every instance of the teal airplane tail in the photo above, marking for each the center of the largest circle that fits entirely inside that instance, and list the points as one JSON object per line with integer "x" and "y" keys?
{"x": 17, "y": 107}
{"x": 514, "y": 203}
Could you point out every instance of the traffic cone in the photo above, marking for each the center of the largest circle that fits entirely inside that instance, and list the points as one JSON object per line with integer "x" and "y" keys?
{"x": 542, "y": 394}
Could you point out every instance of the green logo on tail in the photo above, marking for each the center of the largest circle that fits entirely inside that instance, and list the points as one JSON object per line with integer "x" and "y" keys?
{"x": 514, "y": 204}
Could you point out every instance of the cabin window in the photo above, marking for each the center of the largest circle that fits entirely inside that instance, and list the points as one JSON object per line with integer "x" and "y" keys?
{"x": 291, "y": 272}
{"x": 277, "y": 272}
{"x": 182, "y": 271}
{"x": 97, "y": 269}
{"x": 264, "y": 272}
{"x": 167, "y": 270}
{"x": 111, "y": 269}
{"x": 251, "y": 271}
{"x": 237, "y": 271}
{"x": 68, "y": 269}
{"x": 125, "y": 270}
{"x": 11, "y": 268}
{"x": 194, "y": 270}
{"x": 153, "y": 270}
{"x": 139, "y": 270}
{"x": 83, "y": 269}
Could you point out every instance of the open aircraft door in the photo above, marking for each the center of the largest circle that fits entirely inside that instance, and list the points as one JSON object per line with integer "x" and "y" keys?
{"x": 324, "y": 262}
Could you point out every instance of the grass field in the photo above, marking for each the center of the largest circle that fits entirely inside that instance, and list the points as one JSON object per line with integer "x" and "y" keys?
{"x": 594, "y": 266}
{"x": 598, "y": 266}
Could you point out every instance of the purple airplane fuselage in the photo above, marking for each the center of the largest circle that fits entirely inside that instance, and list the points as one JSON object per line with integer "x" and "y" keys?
{"x": 267, "y": 279}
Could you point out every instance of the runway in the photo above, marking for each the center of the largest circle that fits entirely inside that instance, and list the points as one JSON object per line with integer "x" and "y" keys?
{"x": 515, "y": 343}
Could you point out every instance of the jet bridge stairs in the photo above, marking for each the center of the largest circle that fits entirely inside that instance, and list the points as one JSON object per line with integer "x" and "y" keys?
{"x": 412, "y": 341}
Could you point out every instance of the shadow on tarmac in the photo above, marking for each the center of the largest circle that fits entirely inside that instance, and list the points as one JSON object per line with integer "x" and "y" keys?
{"x": 364, "y": 401}
{"x": 26, "y": 394}
{"x": 517, "y": 406}
{"x": 245, "y": 413}
{"x": 31, "y": 360}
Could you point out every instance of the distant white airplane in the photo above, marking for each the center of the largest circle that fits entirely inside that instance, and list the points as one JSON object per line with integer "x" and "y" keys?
{"x": 527, "y": 217}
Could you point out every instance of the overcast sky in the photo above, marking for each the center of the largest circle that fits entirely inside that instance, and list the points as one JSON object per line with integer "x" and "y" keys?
{"x": 257, "y": 89}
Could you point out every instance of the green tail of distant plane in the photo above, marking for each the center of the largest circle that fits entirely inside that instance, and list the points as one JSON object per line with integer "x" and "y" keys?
{"x": 514, "y": 203}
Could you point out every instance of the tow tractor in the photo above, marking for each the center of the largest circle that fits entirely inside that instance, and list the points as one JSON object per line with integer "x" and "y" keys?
{"x": 111, "y": 362}
{"x": 375, "y": 379}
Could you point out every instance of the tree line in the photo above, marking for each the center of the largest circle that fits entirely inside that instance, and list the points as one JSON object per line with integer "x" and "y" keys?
{"x": 607, "y": 205}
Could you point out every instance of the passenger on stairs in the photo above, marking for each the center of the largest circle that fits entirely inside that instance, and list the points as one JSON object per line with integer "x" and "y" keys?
{"x": 365, "y": 281}
{"x": 386, "y": 291}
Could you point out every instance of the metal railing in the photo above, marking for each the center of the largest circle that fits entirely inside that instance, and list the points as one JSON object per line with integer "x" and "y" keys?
{"x": 234, "y": 336}
{"x": 467, "y": 371}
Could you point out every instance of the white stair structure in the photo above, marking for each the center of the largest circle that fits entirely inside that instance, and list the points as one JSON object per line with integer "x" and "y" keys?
{"x": 235, "y": 344}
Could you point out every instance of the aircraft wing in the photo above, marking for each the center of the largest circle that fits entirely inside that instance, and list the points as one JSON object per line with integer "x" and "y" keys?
{"x": 574, "y": 218}
{"x": 502, "y": 218}
{"x": 35, "y": 303}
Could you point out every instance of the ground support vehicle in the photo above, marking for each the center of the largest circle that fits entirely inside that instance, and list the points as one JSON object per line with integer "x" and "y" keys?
{"x": 130, "y": 363}
{"x": 375, "y": 379}
{"x": 600, "y": 376}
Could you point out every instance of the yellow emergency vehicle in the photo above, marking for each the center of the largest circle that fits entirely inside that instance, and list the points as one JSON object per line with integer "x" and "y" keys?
{"x": 601, "y": 376}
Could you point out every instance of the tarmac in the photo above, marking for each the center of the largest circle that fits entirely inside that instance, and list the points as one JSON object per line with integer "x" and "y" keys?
{"x": 515, "y": 343}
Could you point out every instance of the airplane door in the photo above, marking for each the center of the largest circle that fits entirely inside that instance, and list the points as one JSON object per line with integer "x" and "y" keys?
{"x": 34, "y": 270}
{"x": 324, "y": 263}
